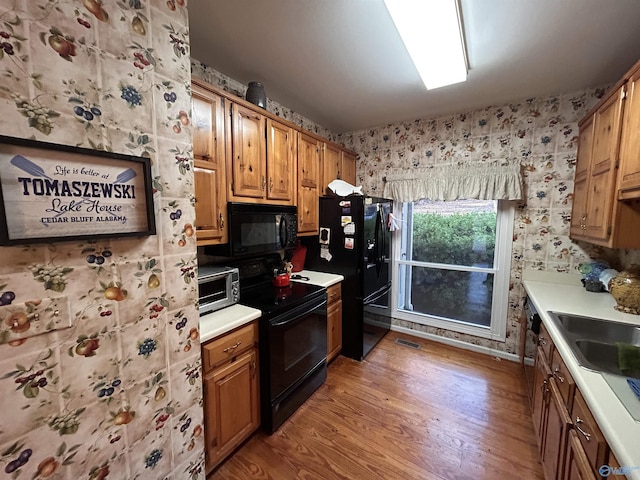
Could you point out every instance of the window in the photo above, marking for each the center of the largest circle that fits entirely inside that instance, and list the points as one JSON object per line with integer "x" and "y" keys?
{"x": 453, "y": 264}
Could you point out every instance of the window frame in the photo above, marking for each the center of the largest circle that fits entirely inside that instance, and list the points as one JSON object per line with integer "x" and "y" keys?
{"x": 501, "y": 271}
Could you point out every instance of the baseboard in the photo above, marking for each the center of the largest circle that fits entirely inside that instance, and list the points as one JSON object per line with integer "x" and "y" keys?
{"x": 512, "y": 357}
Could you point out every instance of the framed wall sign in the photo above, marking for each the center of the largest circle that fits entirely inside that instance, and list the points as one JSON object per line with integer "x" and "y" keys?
{"x": 51, "y": 192}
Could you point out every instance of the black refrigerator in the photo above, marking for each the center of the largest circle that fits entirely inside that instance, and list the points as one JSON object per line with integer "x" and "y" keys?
{"x": 355, "y": 241}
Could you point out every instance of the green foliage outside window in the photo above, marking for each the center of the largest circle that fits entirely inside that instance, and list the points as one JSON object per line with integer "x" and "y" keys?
{"x": 466, "y": 239}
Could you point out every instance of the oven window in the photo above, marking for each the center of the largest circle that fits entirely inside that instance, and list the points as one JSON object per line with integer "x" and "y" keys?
{"x": 299, "y": 344}
{"x": 212, "y": 290}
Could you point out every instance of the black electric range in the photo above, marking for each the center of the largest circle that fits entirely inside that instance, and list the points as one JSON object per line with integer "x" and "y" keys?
{"x": 293, "y": 338}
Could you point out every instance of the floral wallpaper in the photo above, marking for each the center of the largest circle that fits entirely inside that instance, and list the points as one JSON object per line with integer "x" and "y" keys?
{"x": 99, "y": 346}
{"x": 540, "y": 132}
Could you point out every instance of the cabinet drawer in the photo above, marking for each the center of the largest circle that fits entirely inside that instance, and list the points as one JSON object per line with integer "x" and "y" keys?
{"x": 229, "y": 345}
{"x": 334, "y": 293}
{"x": 591, "y": 438}
{"x": 545, "y": 342}
{"x": 564, "y": 380}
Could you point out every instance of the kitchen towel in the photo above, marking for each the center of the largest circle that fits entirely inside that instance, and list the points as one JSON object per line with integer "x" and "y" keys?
{"x": 628, "y": 359}
{"x": 635, "y": 386}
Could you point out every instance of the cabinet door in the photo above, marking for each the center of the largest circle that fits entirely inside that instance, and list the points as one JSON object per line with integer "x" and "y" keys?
{"x": 308, "y": 210}
{"x": 348, "y": 168}
{"x": 564, "y": 380}
{"x": 308, "y": 161}
{"x": 334, "y": 330}
{"x": 630, "y": 147}
{"x": 210, "y": 226}
{"x": 540, "y": 396}
{"x": 232, "y": 407}
{"x": 207, "y": 112}
{"x": 331, "y": 158}
{"x": 601, "y": 185}
{"x": 591, "y": 438}
{"x": 249, "y": 153}
{"x": 577, "y": 465}
{"x": 579, "y": 209}
{"x": 558, "y": 422}
{"x": 281, "y": 169}
{"x": 209, "y": 153}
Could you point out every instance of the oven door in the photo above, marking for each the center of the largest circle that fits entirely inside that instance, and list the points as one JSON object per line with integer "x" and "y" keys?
{"x": 296, "y": 344}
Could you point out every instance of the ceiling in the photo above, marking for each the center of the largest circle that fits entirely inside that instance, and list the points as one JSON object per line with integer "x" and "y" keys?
{"x": 342, "y": 64}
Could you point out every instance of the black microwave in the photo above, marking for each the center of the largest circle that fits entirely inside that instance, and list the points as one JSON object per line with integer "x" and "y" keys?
{"x": 258, "y": 229}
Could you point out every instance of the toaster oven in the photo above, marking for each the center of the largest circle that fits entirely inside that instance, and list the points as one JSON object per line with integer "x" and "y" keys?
{"x": 218, "y": 287}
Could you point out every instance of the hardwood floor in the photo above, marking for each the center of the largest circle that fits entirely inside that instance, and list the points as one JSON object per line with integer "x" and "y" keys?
{"x": 435, "y": 413}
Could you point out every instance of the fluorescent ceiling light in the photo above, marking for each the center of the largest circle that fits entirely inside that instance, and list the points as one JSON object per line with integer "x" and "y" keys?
{"x": 432, "y": 33}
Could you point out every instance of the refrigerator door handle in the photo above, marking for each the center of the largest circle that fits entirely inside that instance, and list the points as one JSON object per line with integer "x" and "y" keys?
{"x": 377, "y": 294}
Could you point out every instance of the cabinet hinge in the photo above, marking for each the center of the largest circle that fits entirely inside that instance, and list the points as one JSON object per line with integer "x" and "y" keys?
{"x": 624, "y": 94}
{"x": 230, "y": 110}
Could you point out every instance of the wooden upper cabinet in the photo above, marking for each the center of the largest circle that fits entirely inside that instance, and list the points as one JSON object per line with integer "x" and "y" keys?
{"x": 209, "y": 215}
{"x": 249, "y": 153}
{"x": 629, "y": 186}
{"x": 598, "y": 216}
{"x": 207, "y": 110}
{"x": 308, "y": 160}
{"x": 583, "y": 164}
{"x": 331, "y": 163}
{"x": 606, "y": 142}
{"x": 348, "y": 168}
{"x": 281, "y": 162}
{"x": 209, "y": 155}
{"x": 308, "y": 181}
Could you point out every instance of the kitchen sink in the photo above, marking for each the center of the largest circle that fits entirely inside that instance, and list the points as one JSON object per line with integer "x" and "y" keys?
{"x": 597, "y": 329}
{"x": 593, "y": 341}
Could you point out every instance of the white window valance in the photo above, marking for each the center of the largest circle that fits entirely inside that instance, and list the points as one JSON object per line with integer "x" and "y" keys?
{"x": 480, "y": 180}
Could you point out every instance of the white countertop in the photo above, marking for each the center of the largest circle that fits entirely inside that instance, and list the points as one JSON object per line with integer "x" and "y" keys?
{"x": 222, "y": 321}
{"x": 564, "y": 293}
{"x": 319, "y": 278}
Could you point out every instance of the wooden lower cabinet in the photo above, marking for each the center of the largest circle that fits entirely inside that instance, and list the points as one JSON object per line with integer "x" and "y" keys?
{"x": 571, "y": 445}
{"x": 577, "y": 465}
{"x": 334, "y": 321}
{"x": 557, "y": 426}
{"x": 540, "y": 393}
{"x": 231, "y": 394}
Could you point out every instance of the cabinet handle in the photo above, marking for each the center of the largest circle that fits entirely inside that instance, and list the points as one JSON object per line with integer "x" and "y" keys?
{"x": 542, "y": 341}
{"x": 232, "y": 347}
{"x": 560, "y": 378}
{"x": 271, "y": 184}
{"x": 221, "y": 222}
{"x": 253, "y": 368}
{"x": 264, "y": 183}
{"x": 206, "y": 157}
{"x": 577, "y": 423}
{"x": 543, "y": 387}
